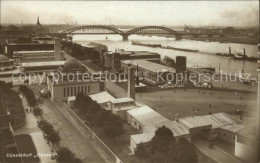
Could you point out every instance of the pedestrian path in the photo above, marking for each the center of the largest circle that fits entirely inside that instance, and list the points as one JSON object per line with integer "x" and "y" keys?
{"x": 215, "y": 153}
{"x": 31, "y": 128}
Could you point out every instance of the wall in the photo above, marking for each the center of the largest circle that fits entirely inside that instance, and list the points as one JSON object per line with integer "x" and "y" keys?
{"x": 131, "y": 120}
{"x": 245, "y": 152}
{"x": 229, "y": 136}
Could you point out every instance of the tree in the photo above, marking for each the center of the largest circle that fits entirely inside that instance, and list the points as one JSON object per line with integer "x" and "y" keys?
{"x": 46, "y": 127}
{"x": 66, "y": 156}
{"x": 53, "y": 137}
{"x": 113, "y": 126}
{"x": 158, "y": 157}
{"x": 79, "y": 101}
{"x": 37, "y": 112}
{"x": 183, "y": 152}
{"x": 28, "y": 93}
{"x": 141, "y": 151}
{"x": 162, "y": 140}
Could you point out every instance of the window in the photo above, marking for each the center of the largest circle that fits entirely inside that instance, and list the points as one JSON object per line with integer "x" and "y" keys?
{"x": 64, "y": 92}
{"x": 224, "y": 134}
{"x": 233, "y": 137}
{"x": 85, "y": 90}
{"x": 75, "y": 90}
{"x": 71, "y": 91}
{"x": 89, "y": 89}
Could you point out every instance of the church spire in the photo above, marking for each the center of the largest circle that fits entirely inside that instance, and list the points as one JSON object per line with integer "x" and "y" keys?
{"x": 38, "y": 21}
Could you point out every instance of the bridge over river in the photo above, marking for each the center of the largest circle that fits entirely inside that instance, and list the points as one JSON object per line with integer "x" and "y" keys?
{"x": 145, "y": 30}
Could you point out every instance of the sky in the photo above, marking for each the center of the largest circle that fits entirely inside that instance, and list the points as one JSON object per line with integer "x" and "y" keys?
{"x": 168, "y": 13}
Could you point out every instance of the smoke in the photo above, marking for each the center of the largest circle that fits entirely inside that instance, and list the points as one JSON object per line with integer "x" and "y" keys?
{"x": 248, "y": 16}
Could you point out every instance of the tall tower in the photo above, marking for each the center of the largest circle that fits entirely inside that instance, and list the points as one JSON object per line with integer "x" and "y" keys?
{"x": 38, "y": 21}
{"x": 131, "y": 83}
{"x": 57, "y": 49}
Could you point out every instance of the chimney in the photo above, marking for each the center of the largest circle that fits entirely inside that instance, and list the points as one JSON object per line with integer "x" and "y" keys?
{"x": 131, "y": 83}
{"x": 57, "y": 49}
{"x": 244, "y": 52}
{"x": 229, "y": 48}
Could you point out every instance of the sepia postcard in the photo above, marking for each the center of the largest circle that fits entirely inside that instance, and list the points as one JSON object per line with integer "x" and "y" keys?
{"x": 129, "y": 81}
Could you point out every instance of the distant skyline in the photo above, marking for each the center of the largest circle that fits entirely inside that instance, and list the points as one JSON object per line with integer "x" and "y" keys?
{"x": 168, "y": 13}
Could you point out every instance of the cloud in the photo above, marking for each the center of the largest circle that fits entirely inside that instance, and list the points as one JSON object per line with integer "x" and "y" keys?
{"x": 246, "y": 16}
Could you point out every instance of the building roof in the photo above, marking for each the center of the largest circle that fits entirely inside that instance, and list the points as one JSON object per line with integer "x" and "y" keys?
{"x": 215, "y": 120}
{"x": 194, "y": 122}
{"x": 249, "y": 132}
{"x": 41, "y": 64}
{"x": 135, "y": 53}
{"x": 147, "y": 116}
{"x": 177, "y": 128}
{"x": 142, "y": 138}
{"x": 72, "y": 64}
{"x": 122, "y": 100}
{"x": 4, "y": 58}
{"x": 102, "y": 97}
{"x": 150, "y": 66}
{"x": 233, "y": 128}
{"x": 40, "y": 51}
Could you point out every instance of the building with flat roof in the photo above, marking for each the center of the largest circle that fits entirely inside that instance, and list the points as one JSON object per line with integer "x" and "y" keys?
{"x": 40, "y": 55}
{"x": 11, "y": 47}
{"x": 70, "y": 79}
{"x": 41, "y": 66}
{"x": 112, "y": 59}
{"x": 152, "y": 72}
{"x": 149, "y": 131}
{"x": 144, "y": 116}
{"x": 120, "y": 106}
{"x": 209, "y": 126}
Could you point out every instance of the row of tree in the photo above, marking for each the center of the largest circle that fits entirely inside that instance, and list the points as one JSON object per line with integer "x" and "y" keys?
{"x": 49, "y": 134}
{"x": 111, "y": 124}
{"x": 52, "y": 136}
{"x": 30, "y": 97}
{"x": 165, "y": 148}
{"x": 80, "y": 52}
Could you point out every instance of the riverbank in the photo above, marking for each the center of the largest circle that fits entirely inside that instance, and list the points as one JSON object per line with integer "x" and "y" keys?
{"x": 238, "y": 40}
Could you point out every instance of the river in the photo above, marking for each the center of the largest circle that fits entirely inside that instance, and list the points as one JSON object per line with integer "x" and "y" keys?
{"x": 205, "y": 58}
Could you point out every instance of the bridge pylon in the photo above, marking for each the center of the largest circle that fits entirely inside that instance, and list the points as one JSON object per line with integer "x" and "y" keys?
{"x": 178, "y": 37}
{"x": 125, "y": 37}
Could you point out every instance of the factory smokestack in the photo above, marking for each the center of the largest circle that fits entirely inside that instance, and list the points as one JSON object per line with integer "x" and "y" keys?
{"x": 229, "y": 48}
{"x": 57, "y": 49}
{"x": 131, "y": 83}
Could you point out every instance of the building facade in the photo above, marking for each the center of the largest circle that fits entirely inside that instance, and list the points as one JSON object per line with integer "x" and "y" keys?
{"x": 6, "y": 64}
{"x": 64, "y": 83}
{"x": 40, "y": 56}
